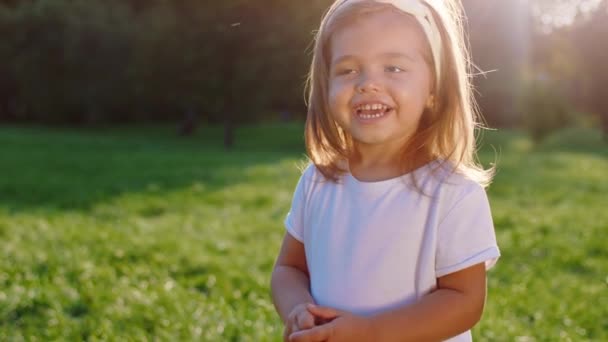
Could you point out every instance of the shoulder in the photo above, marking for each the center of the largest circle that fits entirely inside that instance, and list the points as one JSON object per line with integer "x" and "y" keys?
{"x": 311, "y": 177}
{"x": 310, "y": 173}
{"x": 450, "y": 184}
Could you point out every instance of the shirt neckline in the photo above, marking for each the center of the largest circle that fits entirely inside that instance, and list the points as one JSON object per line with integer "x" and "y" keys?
{"x": 381, "y": 185}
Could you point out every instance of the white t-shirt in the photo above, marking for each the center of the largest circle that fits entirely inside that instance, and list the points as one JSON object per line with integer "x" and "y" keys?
{"x": 373, "y": 246}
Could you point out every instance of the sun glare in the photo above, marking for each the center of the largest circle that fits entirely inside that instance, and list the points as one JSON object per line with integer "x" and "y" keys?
{"x": 556, "y": 14}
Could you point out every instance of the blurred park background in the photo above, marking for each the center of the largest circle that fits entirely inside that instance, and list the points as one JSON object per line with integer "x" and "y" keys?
{"x": 149, "y": 150}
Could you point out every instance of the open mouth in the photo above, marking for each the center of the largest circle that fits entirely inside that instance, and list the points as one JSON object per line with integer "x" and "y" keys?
{"x": 373, "y": 111}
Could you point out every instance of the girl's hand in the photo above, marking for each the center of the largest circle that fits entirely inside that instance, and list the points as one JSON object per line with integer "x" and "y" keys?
{"x": 298, "y": 319}
{"x": 340, "y": 326}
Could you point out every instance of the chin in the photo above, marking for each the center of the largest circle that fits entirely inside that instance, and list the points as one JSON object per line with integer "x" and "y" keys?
{"x": 370, "y": 140}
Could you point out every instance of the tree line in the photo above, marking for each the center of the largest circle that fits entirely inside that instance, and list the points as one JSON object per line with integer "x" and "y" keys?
{"x": 117, "y": 60}
{"x": 79, "y": 62}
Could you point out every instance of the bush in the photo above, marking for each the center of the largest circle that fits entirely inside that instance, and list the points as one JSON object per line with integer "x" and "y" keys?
{"x": 545, "y": 110}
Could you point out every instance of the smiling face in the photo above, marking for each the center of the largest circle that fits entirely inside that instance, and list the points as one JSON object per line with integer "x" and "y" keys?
{"x": 380, "y": 78}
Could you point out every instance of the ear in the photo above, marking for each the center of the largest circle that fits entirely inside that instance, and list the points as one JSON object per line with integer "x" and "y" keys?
{"x": 430, "y": 102}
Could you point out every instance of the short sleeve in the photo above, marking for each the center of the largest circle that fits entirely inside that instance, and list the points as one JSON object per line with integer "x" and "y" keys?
{"x": 466, "y": 236}
{"x": 294, "y": 222}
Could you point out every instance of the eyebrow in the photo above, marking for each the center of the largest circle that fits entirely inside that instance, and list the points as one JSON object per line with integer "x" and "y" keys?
{"x": 384, "y": 55}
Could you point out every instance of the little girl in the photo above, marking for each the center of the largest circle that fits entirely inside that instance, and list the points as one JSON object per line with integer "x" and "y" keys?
{"x": 390, "y": 233}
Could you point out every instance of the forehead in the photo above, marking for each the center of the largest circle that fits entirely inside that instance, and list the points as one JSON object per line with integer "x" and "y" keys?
{"x": 379, "y": 33}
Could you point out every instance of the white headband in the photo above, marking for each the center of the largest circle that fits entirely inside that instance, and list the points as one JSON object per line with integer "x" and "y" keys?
{"x": 421, "y": 11}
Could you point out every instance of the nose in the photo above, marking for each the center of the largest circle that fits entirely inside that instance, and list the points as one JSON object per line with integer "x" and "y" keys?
{"x": 368, "y": 84}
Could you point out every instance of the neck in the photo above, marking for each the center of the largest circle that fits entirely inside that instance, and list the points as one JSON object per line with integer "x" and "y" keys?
{"x": 380, "y": 162}
{"x": 374, "y": 156}
{"x": 374, "y": 162}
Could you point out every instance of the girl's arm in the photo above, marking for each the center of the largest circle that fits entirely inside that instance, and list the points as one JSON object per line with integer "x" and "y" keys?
{"x": 290, "y": 284}
{"x": 455, "y": 307}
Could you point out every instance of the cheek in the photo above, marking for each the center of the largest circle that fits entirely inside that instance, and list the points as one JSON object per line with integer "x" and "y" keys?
{"x": 412, "y": 94}
{"x": 338, "y": 94}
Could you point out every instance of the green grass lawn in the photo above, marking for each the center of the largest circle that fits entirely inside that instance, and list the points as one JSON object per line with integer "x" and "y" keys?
{"x": 132, "y": 233}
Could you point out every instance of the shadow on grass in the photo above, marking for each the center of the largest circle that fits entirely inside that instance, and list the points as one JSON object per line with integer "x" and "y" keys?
{"x": 565, "y": 169}
{"x": 74, "y": 169}
{"x": 575, "y": 140}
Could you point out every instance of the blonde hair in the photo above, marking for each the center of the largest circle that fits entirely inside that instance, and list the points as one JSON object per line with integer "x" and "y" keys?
{"x": 446, "y": 131}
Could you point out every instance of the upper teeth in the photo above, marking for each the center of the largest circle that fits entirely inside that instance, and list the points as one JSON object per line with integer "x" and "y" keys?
{"x": 375, "y": 106}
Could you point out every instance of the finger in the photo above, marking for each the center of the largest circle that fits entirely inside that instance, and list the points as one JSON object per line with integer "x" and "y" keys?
{"x": 287, "y": 331}
{"x": 317, "y": 334}
{"x": 323, "y": 311}
{"x": 321, "y": 320}
{"x": 306, "y": 320}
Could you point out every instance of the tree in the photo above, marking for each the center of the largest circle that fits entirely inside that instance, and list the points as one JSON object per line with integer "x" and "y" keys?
{"x": 591, "y": 40}
{"x": 499, "y": 33}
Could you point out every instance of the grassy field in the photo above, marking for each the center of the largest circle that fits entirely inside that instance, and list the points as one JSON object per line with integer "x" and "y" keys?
{"x": 135, "y": 234}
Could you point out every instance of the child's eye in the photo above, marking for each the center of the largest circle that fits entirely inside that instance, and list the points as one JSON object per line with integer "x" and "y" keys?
{"x": 345, "y": 71}
{"x": 393, "y": 68}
